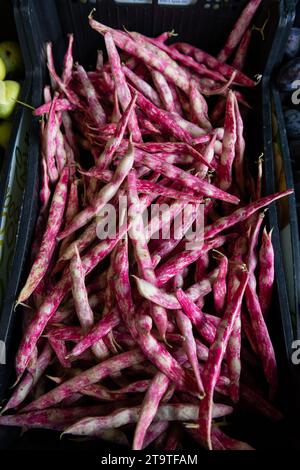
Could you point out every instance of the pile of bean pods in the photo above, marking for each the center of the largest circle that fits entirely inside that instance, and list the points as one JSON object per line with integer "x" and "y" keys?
{"x": 137, "y": 337}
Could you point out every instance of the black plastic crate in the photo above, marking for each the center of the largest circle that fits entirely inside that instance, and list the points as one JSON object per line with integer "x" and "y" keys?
{"x": 275, "y": 59}
{"x": 288, "y": 211}
{"x": 290, "y": 241}
{"x": 206, "y": 24}
{"x": 14, "y": 165}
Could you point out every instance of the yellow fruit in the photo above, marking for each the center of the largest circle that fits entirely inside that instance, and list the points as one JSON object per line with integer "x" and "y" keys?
{"x": 11, "y": 55}
{"x": 5, "y": 131}
{"x": 2, "y": 69}
{"x": 9, "y": 93}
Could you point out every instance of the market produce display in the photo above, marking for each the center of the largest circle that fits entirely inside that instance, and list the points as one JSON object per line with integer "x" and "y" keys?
{"x": 141, "y": 338}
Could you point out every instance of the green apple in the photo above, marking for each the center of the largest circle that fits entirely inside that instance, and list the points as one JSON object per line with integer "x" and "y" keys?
{"x": 2, "y": 69}
{"x": 11, "y": 55}
{"x": 5, "y": 131}
{"x": 9, "y": 93}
